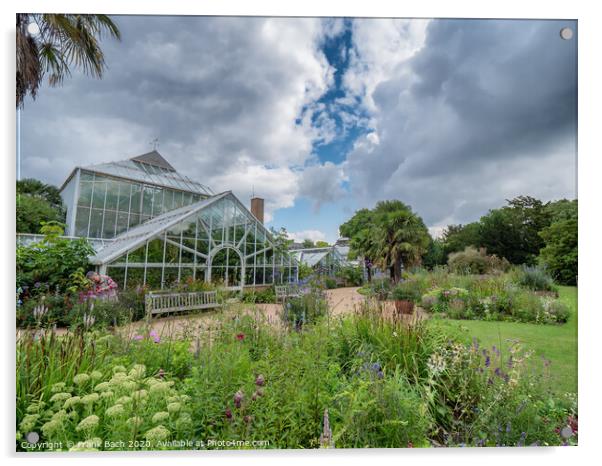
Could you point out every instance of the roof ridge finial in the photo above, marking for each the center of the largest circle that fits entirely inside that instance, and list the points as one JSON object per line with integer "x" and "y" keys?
{"x": 154, "y": 143}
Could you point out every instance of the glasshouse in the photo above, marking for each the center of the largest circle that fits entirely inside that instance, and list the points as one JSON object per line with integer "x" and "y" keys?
{"x": 324, "y": 261}
{"x": 107, "y": 199}
{"x": 164, "y": 228}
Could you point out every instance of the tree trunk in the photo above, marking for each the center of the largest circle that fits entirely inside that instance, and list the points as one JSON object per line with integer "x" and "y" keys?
{"x": 397, "y": 269}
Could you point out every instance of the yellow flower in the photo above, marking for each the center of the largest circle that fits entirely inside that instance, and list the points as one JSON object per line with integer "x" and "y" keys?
{"x": 81, "y": 379}
{"x": 140, "y": 395}
{"x": 157, "y": 434}
{"x": 173, "y": 407}
{"x": 102, "y": 387}
{"x": 51, "y": 427}
{"x": 72, "y": 402}
{"x": 115, "y": 410}
{"x": 160, "y": 417}
{"x": 135, "y": 421}
{"x": 90, "y": 399}
{"x": 124, "y": 400}
{"x": 89, "y": 423}
{"x": 58, "y": 387}
{"x": 138, "y": 371}
{"x": 59, "y": 397}
{"x": 28, "y": 422}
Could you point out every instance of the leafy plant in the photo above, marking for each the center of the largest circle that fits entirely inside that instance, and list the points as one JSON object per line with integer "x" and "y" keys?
{"x": 535, "y": 278}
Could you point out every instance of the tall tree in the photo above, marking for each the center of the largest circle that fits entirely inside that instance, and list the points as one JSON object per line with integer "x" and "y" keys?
{"x": 307, "y": 243}
{"x": 41, "y": 190}
{"x": 60, "y": 43}
{"x": 513, "y": 231}
{"x": 37, "y": 202}
{"x": 362, "y": 242}
{"x": 559, "y": 254}
{"x": 401, "y": 236}
{"x": 456, "y": 238}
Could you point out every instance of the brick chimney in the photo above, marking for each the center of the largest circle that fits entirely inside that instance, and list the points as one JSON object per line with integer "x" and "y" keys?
{"x": 257, "y": 208}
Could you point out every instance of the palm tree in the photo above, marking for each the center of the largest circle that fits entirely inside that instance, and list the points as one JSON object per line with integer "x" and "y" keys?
{"x": 63, "y": 41}
{"x": 399, "y": 237}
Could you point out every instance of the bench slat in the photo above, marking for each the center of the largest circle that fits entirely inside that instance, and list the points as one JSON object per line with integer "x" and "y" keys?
{"x": 159, "y": 303}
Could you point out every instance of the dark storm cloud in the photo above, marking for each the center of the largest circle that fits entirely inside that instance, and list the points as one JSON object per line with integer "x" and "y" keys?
{"x": 486, "y": 110}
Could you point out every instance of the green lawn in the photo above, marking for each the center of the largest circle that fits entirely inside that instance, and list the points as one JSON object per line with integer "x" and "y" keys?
{"x": 557, "y": 343}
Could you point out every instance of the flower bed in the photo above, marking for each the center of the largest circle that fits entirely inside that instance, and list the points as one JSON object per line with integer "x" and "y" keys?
{"x": 383, "y": 384}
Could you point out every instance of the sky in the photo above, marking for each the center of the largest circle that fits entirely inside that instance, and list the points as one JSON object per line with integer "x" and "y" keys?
{"x": 324, "y": 116}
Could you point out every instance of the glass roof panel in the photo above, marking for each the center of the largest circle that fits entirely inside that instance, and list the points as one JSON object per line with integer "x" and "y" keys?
{"x": 139, "y": 172}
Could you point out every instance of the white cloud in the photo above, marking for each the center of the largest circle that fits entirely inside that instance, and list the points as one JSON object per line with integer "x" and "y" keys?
{"x": 278, "y": 186}
{"x": 314, "y": 235}
{"x": 223, "y": 96}
{"x": 379, "y": 47}
{"x": 457, "y": 131}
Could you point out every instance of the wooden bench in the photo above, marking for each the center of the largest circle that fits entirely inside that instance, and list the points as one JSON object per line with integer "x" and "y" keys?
{"x": 285, "y": 291}
{"x": 159, "y": 303}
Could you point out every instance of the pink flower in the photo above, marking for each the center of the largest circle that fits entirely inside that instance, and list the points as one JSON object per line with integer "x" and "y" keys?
{"x": 240, "y": 336}
{"x": 259, "y": 380}
{"x": 138, "y": 337}
{"x": 228, "y": 413}
{"x": 155, "y": 336}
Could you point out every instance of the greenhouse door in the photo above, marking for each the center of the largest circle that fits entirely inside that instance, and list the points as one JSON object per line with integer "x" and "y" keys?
{"x": 226, "y": 268}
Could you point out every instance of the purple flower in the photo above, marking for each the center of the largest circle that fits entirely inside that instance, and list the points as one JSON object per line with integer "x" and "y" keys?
{"x": 138, "y": 337}
{"x": 487, "y": 361}
{"x": 498, "y": 372}
{"x": 228, "y": 413}
{"x": 155, "y": 336}
{"x": 259, "y": 380}
{"x": 238, "y": 397}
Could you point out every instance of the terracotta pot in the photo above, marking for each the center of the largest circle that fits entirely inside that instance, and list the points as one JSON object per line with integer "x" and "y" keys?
{"x": 404, "y": 307}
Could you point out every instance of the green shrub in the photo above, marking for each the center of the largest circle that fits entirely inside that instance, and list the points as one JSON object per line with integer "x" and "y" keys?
{"x": 330, "y": 283}
{"x": 469, "y": 261}
{"x": 49, "y": 265}
{"x": 535, "y": 278}
{"x": 388, "y": 413}
{"x": 304, "y": 309}
{"x": 95, "y": 407}
{"x": 406, "y": 291}
{"x": 380, "y": 288}
{"x": 384, "y": 383}
{"x": 351, "y": 275}
{"x": 265, "y": 296}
